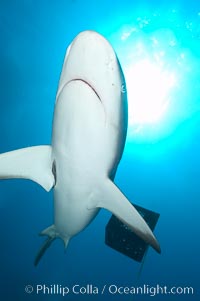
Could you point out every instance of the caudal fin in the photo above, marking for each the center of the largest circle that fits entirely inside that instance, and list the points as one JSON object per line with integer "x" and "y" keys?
{"x": 52, "y": 235}
{"x": 43, "y": 249}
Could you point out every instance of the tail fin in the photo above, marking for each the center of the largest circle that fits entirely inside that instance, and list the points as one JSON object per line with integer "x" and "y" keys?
{"x": 52, "y": 235}
{"x": 43, "y": 249}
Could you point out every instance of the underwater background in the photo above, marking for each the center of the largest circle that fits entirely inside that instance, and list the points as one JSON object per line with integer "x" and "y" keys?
{"x": 158, "y": 45}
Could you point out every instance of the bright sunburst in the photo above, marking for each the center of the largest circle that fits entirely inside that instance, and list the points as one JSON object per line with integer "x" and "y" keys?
{"x": 149, "y": 88}
{"x": 159, "y": 54}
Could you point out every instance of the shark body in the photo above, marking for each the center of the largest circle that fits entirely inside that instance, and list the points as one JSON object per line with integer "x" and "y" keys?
{"x": 88, "y": 138}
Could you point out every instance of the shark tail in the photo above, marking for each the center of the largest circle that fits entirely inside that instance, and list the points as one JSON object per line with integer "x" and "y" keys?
{"x": 52, "y": 235}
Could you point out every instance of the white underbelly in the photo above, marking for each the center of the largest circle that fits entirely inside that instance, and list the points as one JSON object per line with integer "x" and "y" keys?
{"x": 85, "y": 149}
{"x": 71, "y": 214}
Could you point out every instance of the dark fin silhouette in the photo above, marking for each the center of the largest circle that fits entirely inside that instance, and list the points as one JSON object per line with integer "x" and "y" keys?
{"x": 43, "y": 249}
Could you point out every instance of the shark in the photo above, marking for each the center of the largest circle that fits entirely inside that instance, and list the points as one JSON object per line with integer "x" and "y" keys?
{"x": 88, "y": 138}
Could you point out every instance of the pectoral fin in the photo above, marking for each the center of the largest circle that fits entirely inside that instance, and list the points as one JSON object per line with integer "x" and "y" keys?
{"x": 112, "y": 199}
{"x": 33, "y": 163}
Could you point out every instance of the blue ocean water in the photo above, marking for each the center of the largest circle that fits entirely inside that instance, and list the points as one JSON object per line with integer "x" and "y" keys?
{"x": 160, "y": 166}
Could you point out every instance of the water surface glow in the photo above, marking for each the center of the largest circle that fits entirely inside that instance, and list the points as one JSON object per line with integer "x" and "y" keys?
{"x": 160, "y": 54}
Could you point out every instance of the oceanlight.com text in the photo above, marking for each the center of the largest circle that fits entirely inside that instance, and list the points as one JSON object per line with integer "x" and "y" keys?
{"x": 111, "y": 289}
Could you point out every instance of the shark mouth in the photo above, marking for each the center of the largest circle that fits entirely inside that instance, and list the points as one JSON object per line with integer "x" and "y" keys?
{"x": 85, "y": 82}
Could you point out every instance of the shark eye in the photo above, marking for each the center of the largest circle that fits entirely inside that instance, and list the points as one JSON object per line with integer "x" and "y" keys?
{"x": 123, "y": 88}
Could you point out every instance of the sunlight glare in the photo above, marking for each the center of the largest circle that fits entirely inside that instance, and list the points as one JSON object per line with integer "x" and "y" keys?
{"x": 148, "y": 86}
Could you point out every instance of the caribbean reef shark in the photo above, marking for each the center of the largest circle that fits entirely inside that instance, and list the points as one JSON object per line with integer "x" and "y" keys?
{"x": 88, "y": 138}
